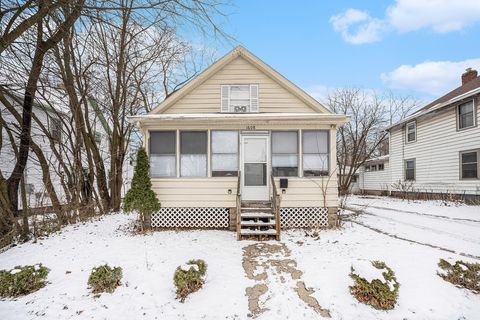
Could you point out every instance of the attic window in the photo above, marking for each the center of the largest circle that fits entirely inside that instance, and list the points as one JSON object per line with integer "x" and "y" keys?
{"x": 239, "y": 98}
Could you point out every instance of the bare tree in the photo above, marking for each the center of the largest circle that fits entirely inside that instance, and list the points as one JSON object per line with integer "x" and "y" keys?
{"x": 361, "y": 138}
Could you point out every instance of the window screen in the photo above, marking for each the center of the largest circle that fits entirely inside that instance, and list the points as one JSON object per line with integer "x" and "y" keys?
{"x": 284, "y": 153}
{"x": 465, "y": 115}
{"x": 469, "y": 161}
{"x": 410, "y": 169}
{"x": 162, "y": 153}
{"x": 193, "y": 153}
{"x": 224, "y": 153}
{"x": 315, "y": 153}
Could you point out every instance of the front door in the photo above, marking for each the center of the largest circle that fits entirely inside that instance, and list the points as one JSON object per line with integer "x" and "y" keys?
{"x": 255, "y": 178}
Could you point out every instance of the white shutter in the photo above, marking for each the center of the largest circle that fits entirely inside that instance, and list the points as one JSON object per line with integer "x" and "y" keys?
{"x": 225, "y": 98}
{"x": 254, "y": 98}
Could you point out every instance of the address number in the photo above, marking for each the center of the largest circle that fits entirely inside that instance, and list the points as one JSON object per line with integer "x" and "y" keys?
{"x": 250, "y": 127}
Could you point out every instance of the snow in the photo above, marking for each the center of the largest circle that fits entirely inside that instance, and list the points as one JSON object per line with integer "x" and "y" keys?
{"x": 366, "y": 270}
{"x": 149, "y": 262}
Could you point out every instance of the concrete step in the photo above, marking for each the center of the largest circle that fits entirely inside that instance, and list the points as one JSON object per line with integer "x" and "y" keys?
{"x": 256, "y": 214}
{"x": 257, "y": 209}
{"x": 257, "y": 204}
{"x": 249, "y": 232}
{"x": 257, "y": 223}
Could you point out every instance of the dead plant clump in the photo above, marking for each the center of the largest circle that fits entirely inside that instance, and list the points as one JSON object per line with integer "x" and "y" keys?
{"x": 381, "y": 294}
{"x": 462, "y": 274}
{"x": 189, "y": 278}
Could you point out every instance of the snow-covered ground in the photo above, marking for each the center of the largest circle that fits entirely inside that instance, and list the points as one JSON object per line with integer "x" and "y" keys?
{"x": 149, "y": 262}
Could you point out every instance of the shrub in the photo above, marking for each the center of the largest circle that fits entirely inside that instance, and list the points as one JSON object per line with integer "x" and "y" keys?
{"x": 379, "y": 293}
{"x": 22, "y": 280}
{"x": 105, "y": 279}
{"x": 461, "y": 274}
{"x": 140, "y": 197}
{"x": 189, "y": 278}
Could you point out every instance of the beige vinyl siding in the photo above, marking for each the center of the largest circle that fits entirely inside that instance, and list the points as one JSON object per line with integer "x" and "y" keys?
{"x": 213, "y": 192}
{"x": 436, "y": 153}
{"x": 195, "y": 192}
{"x": 206, "y": 97}
{"x": 375, "y": 180}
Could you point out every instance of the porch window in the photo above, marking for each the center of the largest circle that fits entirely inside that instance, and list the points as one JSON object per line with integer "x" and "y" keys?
{"x": 285, "y": 153}
{"x": 469, "y": 164}
{"x": 410, "y": 169}
{"x": 466, "y": 115}
{"x": 224, "y": 153}
{"x": 315, "y": 153}
{"x": 193, "y": 154}
{"x": 411, "y": 131}
{"x": 162, "y": 151}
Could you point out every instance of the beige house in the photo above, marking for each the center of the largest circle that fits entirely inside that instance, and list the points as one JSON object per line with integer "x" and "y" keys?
{"x": 233, "y": 139}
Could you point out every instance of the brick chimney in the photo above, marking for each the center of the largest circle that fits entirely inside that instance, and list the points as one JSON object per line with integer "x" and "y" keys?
{"x": 469, "y": 75}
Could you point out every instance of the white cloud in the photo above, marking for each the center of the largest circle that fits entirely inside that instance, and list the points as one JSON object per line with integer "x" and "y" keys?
{"x": 432, "y": 77}
{"x": 319, "y": 92}
{"x": 441, "y": 16}
{"x": 357, "y": 27}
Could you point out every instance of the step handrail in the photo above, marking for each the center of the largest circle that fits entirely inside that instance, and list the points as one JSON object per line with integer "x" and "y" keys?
{"x": 239, "y": 205}
{"x": 276, "y": 207}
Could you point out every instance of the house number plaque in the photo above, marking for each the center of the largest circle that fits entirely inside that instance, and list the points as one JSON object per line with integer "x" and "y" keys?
{"x": 251, "y": 128}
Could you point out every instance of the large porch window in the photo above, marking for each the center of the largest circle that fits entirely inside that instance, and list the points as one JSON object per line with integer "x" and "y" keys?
{"x": 315, "y": 148}
{"x": 224, "y": 153}
{"x": 193, "y": 153}
{"x": 162, "y": 154}
{"x": 285, "y": 153}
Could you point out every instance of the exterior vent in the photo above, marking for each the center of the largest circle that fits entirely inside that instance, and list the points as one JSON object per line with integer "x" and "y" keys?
{"x": 240, "y": 109}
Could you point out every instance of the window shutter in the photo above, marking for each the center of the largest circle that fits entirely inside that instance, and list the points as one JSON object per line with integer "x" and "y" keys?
{"x": 225, "y": 98}
{"x": 254, "y": 98}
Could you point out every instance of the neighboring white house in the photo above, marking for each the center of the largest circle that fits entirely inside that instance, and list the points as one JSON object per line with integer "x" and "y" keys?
{"x": 374, "y": 176}
{"x": 436, "y": 150}
{"x": 225, "y": 134}
{"x": 50, "y": 115}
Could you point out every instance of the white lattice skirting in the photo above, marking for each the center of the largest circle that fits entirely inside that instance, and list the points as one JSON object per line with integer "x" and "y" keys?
{"x": 308, "y": 217}
{"x": 208, "y": 218}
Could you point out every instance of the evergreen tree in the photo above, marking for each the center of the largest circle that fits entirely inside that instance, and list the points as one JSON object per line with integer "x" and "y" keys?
{"x": 141, "y": 197}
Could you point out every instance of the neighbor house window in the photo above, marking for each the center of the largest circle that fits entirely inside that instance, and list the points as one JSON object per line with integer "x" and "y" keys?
{"x": 315, "y": 147}
{"x": 193, "y": 153}
{"x": 469, "y": 164}
{"x": 239, "y": 98}
{"x": 410, "y": 169}
{"x": 381, "y": 167}
{"x": 55, "y": 129}
{"x": 285, "y": 153}
{"x": 98, "y": 138}
{"x": 466, "y": 115}
{"x": 411, "y": 131}
{"x": 373, "y": 167}
{"x": 162, "y": 151}
{"x": 224, "y": 153}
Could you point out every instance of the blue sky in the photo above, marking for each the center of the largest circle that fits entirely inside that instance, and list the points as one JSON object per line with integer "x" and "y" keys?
{"x": 328, "y": 44}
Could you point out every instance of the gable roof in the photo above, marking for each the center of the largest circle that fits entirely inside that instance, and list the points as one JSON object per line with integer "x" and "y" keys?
{"x": 467, "y": 87}
{"x": 464, "y": 91}
{"x": 262, "y": 66}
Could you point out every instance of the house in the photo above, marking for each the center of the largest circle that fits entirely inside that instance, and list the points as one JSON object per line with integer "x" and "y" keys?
{"x": 54, "y": 118}
{"x": 215, "y": 144}
{"x": 374, "y": 176}
{"x": 435, "y": 152}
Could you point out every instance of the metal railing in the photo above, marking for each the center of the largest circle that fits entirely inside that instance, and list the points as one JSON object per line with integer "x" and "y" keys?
{"x": 239, "y": 205}
{"x": 276, "y": 207}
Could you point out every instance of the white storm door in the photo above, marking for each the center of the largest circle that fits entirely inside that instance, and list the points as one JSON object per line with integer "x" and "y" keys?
{"x": 255, "y": 179}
